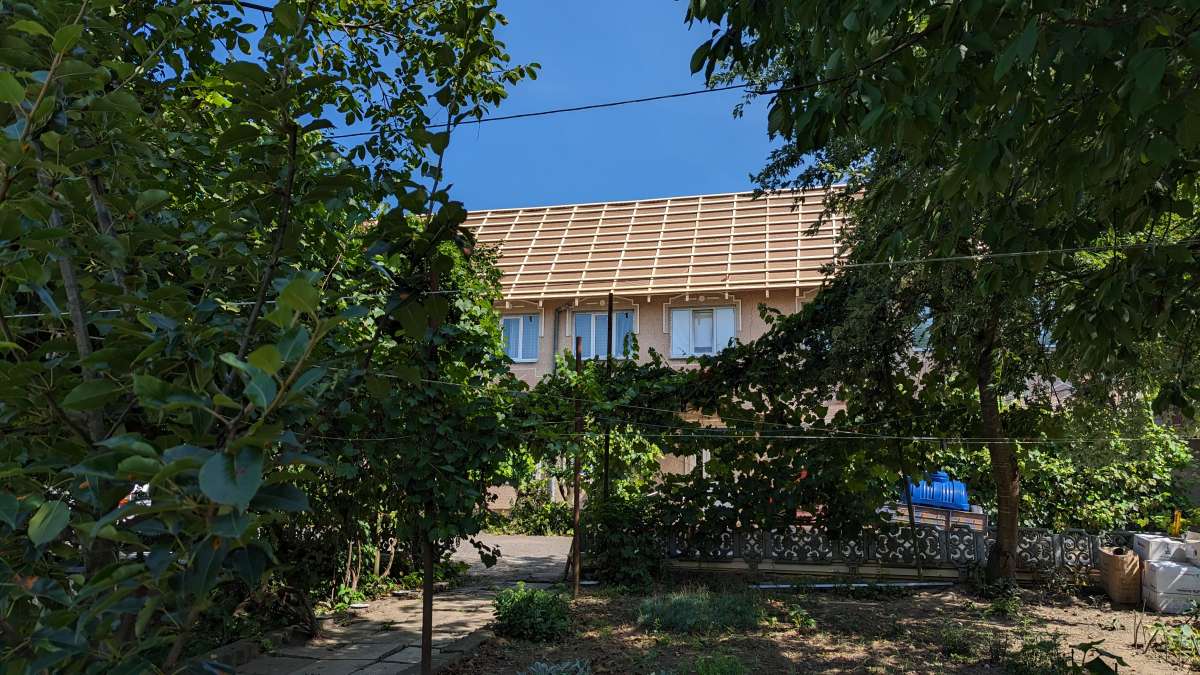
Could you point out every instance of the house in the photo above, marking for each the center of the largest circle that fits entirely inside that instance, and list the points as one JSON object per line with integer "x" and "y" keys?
{"x": 686, "y": 273}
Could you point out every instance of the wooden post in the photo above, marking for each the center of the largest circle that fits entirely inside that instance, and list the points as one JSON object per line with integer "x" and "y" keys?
{"x": 427, "y": 566}
{"x": 608, "y": 380}
{"x": 577, "y": 542}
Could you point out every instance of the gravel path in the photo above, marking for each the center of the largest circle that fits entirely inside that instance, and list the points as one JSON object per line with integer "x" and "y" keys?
{"x": 522, "y": 558}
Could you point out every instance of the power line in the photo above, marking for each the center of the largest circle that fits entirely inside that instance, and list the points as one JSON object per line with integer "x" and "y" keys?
{"x": 1013, "y": 254}
{"x": 581, "y": 108}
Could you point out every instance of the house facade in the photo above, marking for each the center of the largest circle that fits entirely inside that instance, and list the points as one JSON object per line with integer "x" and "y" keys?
{"x": 686, "y": 273}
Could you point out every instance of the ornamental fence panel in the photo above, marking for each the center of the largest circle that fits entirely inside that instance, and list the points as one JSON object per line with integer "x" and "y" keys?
{"x": 958, "y": 546}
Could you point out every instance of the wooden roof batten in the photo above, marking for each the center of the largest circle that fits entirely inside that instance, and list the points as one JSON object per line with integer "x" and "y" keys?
{"x": 699, "y": 244}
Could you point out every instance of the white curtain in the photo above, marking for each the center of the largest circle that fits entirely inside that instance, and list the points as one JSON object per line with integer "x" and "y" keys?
{"x": 725, "y": 326}
{"x": 529, "y": 339}
{"x": 681, "y": 332}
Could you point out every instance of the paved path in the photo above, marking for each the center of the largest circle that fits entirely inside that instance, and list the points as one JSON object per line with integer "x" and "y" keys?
{"x": 385, "y": 638}
{"x": 522, "y": 558}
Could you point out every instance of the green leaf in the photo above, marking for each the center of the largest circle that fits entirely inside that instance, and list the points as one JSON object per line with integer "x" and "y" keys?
{"x": 287, "y": 498}
{"x": 66, "y": 37}
{"x": 301, "y": 296}
{"x": 700, "y": 56}
{"x": 225, "y": 402}
{"x": 233, "y": 360}
{"x": 31, "y": 27}
{"x": 149, "y": 199}
{"x": 232, "y": 480}
{"x": 287, "y": 16}
{"x": 1020, "y": 49}
{"x": 266, "y": 358}
{"x": 120, "y": 102}
{"x": 9, "y": 507}
{"x": 1148, "y": 67}
{"x": 247, "y": 73}
{"x": 11, "y": 90}
{"x": 138, "y": 466}
{"x": 237, "y": 135}
{"x": 90, "y": 395}
{"x": 48, "y": 522}
{"x": 293, "y": 344}
{"x": 261, "y": 389}
{"x": 151, "y": 391}
{"x": 310, "y": 376}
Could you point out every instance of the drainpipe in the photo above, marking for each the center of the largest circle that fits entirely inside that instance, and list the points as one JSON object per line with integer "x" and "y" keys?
{"x": 554, "y": 340}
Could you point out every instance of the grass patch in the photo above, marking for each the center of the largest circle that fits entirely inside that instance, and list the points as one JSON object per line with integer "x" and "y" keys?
{"x": 719, "y": 665}
{"x": 701, "y": 611}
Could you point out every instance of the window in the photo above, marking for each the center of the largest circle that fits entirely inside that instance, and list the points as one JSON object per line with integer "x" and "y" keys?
{"x": 593, "y": 328}
{"x": 923, "y": 331}
{"x": 521, "y": 337}
{"x": 701, "y": 331}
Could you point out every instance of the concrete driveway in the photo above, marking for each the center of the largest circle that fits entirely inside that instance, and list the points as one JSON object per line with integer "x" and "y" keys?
{"x": 522, "y": 558}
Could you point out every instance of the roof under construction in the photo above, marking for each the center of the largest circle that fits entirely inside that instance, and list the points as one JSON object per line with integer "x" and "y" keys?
{"x": 706, "y": 243}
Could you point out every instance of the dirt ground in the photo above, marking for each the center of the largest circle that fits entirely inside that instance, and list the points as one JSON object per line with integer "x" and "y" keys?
{"x": 948, "y": 631}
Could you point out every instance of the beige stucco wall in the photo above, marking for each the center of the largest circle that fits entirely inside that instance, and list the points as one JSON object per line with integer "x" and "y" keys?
{"x": 650, "y": 320}
{"x": 651, "y": 325}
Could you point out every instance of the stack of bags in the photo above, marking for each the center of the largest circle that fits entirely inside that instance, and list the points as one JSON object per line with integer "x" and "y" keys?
{"x": 1170, "y": 572}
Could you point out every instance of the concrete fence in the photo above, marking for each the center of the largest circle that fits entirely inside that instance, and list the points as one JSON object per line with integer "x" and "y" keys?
{"x": 890, "y": 551}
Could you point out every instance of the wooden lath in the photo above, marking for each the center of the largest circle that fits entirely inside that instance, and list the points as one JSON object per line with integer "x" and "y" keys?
{"x": 721, "y": 242}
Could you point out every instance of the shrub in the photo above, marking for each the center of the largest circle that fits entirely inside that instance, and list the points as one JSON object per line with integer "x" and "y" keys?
{"x": 622, "y": 548}
{"x": 719, "y": 665}
{"x": 576, "y": 667}
{"x": 956, "y": 640}
{"x": 533, "y": 513}
{"x": 701, "y": 611}
{"x": 801, "y": 619}
{"x": 531, "y": 614}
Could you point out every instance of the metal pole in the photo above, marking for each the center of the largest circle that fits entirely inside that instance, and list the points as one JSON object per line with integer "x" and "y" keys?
{"x": 608, "y": 380}
{"x": 576, "y": 544}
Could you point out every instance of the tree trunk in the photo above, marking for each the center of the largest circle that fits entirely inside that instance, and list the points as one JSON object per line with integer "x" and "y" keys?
{"x": 378, "y": 562}
{"x": 387, "y": 571}
{"x": 427, "y": 571}
{"x": 1002, "y": 560}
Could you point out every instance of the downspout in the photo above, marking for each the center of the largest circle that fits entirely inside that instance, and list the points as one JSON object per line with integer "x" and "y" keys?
{"x": 554, "y": 339}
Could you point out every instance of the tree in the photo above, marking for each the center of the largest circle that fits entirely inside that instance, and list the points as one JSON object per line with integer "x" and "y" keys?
{"x": 1021, "y": 133}
{"x": 168, "y": 202}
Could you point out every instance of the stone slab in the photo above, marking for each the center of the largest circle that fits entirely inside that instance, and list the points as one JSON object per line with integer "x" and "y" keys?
{"x": 274, "y": 665}
{"x": 467, "y": 644}
{"x": 406, "y": 655}
{"x": 334, "y": 667}
{"x": 385, "y": 668}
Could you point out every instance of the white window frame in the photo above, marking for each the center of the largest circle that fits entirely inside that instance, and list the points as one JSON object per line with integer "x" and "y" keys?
{"x": 592, "y": 323}
{"x": 537, "y": 344}
{"x": 691, "y": 351}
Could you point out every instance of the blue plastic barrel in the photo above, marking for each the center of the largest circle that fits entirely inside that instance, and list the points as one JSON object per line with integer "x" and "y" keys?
{"x": 941, "y": 492}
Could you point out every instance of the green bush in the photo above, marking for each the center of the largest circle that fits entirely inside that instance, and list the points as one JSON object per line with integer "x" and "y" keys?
{"x": 701, "y": 611}
{"x": 533, "y": 513}
{"x": 531, "y": 614}
{"x": 622, "y": 548}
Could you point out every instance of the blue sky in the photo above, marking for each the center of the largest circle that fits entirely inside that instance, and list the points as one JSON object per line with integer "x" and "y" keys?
{"x": 593, "y": 52}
